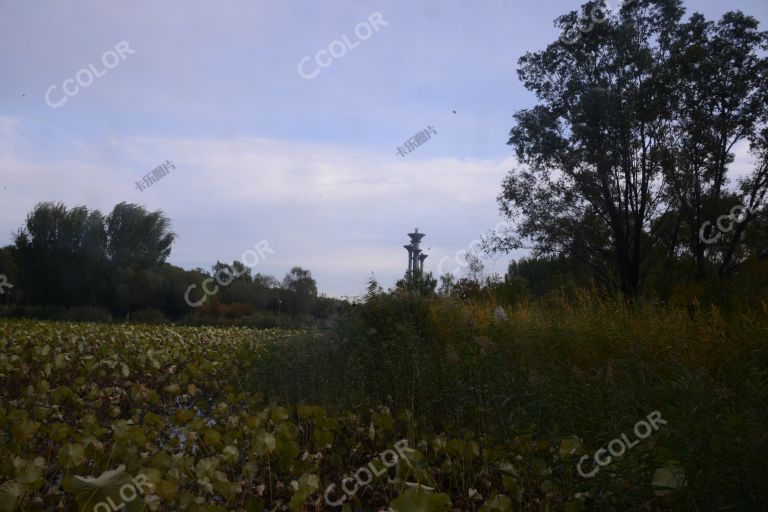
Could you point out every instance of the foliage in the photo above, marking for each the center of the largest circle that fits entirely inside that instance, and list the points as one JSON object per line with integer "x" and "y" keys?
{"x": 507, "y": 404}
{"x": 73, "y": 259}
{"x": 267, "y": 420}
{"x": 628, "y": 150}
{"x": 419, "y": 283}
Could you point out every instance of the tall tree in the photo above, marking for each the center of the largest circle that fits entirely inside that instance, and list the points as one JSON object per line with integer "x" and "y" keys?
{"x": 138, "y": 238}
{"x": 626, "y": 138}
{"x": 720, "y": 84}
{"x": 61, "y": 255}
{"x": 302, "y": 288}
{"x": 138, "y": 243}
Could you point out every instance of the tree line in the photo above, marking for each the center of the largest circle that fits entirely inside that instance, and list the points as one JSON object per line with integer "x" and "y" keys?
{"x": 69, "y": 258}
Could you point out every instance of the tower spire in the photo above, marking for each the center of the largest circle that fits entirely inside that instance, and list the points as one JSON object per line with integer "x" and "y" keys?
{"x": 415, "y": 256}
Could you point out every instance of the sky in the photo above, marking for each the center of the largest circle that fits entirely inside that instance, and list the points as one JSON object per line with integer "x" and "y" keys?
{"x": 285, "y": 122}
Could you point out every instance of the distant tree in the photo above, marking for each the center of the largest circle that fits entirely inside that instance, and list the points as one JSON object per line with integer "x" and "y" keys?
{"x": 138, "y": 243}
{"x": 61, "y": 256}
{"x": 76, "y": 257}
{"x": 302, "y": 290}
{"x": 137, "y": 238}
{"x": 467, "y": 289}
{"x": 546, "y": 274}
{"x": 510, "y": 289}
{"x": 447, "y": 281}
{"x": 475, "y": 266}
{"x": 265, "y": 281}
{"x": 422, "y": 284}
{"x": 372, "y": 289}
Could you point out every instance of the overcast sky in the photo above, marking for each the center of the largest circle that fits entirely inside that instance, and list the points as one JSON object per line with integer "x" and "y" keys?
{"x": 310, "y": 165}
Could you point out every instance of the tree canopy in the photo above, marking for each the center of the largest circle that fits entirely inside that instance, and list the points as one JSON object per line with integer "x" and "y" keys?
{"x": 628, "y": 149}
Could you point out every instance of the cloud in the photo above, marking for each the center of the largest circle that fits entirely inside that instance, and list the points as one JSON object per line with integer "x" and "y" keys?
{"x": 333, "y": 209}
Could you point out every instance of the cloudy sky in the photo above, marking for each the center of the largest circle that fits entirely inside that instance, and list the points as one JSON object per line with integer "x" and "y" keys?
{"x": 309, "y": 164}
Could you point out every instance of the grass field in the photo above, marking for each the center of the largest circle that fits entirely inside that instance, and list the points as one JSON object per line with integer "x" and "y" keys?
{"x": 445, "y": 405}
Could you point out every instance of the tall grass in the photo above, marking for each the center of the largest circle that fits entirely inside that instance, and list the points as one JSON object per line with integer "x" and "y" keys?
{"x": 587, "y": 367}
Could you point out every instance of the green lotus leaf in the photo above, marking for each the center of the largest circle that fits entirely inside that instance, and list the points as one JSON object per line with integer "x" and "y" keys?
{"x": 71, "y": 455}
{"x": 212, "y": 437}
{"x": 287, "y": 431}
{"x": 322, "y": 436}
{"x": 184, "y": 415}
{"x": 153, "y": 420}
{"x": 265, "y": 443}
{"x": 11, "y": 494}
{"x": 569, "y": 446}
{"x": 279, "y": 414}
{"x": 162, "y": 460}
{"x": 313, "y": 412}
{"x": 42, "y": 387}
{"x": 172, "y": 389}
{"x": 166, "y": 489}
{"x": 668, "y": 478}
{"x": 233, "y": 422}
{"x": 287, "y": 450}
{"x": 548, "y": 487}
{"x": 30, "y": 472}
{"x": 306, "y": 486}
{"x": 309, "y": 483}
{"x": 152, "y": 475}
{"x": 297, "y": 502}
{"x": 205, "y": 467}
{"x": 499, "y": 503}
{"x": 230, "y": 454}
{"x": 417, "y": 500}
{"x": 439, "y": 443}
{"x": 383, "y": 421}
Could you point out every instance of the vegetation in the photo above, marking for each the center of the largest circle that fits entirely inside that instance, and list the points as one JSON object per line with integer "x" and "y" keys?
{"x": 499, "y": 404}
{"x": 76, "y": 264}
{"x": 505, "y": 388}
{"x": 542, "y": 384}
{"x": 625, "y": 158}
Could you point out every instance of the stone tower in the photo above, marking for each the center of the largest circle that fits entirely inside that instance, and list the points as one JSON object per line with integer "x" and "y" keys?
{"x": 415, "y": 256}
